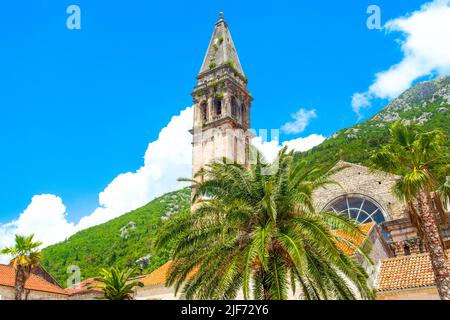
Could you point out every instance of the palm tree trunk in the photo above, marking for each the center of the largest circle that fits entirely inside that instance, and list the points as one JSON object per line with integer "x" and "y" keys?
{"x": 430, "y": 230}
{"x": 19, "y": 285}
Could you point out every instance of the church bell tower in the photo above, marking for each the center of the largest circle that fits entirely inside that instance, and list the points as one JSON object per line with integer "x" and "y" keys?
{"x": 221, "y": 104}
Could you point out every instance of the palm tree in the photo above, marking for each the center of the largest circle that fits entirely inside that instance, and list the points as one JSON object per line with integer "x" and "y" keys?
{"x": 25, "y": 258}
{"x": 419, "y": 158}
{"x": 117, "y": 284}
{"x": 260, "y": 233}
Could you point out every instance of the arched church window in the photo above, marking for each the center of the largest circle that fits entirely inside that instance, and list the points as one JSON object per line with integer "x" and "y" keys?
{"x": 204, "y": 110}
{"x": 218, "y": 107}
{"x": 357, "y": 207}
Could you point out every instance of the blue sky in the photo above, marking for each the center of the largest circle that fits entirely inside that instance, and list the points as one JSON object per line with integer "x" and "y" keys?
{"x": 79, "y": 107}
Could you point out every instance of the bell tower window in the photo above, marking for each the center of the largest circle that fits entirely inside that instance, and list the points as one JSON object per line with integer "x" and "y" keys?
{"x": 204, "y": 110}
{"x": 234, "y": 107}
{"x": 218, "y": 107}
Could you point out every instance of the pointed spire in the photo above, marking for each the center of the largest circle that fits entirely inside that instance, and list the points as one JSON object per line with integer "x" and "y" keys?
{"x": 221, "y": 49}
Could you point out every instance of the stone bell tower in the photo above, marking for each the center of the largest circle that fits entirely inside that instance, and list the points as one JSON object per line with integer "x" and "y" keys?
{"x": 221, "y": 104}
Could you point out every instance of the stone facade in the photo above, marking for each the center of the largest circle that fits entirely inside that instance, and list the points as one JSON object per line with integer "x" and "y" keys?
{"x": 86, "y": 295}
{"x": 155, "y": 292}
{"x": 357, "y": 180}
{"x": 7, "y": 293}
{"x": 430, "y": 293}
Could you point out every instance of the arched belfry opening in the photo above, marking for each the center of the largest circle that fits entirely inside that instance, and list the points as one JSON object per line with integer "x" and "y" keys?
{"x": 234, "y": 107}
{"x": 218, "y": 107}
{"x": 204, "y": 111}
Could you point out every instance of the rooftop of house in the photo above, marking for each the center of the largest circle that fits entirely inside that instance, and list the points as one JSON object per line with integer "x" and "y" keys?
{"x": 85, "y": 287}
{"x": 158, "y": 277}
{"x": 407, "y": 272}
{"x": 34, "y": 282}
{"x": 354, "y": 241}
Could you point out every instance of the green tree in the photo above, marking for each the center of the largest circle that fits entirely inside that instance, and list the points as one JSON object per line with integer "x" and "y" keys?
{"x": 117, "y": 284}
{"x": 256, "y": 229}
{"x": 25, "y": 258}
{"x": 420, "y": 158}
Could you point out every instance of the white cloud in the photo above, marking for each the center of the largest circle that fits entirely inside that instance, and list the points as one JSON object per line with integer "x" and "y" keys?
{"x": 426, "y": 52}
{"x": 45, "y": 216}
{"x": 360, "y": 101}
{"x": 304, "y": 144}
{"x": 301, "y": 121}
{"x": 166, "y": 159}
{"x": 270, "y": 148}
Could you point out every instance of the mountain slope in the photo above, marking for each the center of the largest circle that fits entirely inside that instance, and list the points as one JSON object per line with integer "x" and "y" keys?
{"x": 118, "y": 242}
{"x": 427, "y": 103}
{"x": 127, "y": 238}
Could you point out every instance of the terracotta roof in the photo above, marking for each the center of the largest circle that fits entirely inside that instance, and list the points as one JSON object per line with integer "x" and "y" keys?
{"x": 406, "y": 272}
{"x": 158, "y": 277}
{"x": 34, "y": 282}
{"x": 83, "y": 287}
{"x": 357, "y": 240}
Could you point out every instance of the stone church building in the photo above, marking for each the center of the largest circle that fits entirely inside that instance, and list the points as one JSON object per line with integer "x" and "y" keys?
{"x": 221, "y": 124}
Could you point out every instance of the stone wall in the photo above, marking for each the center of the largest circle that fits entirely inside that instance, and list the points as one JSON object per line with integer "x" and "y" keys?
{"x": 88, "y": 295}
{"x": 7, "y": 293}
{"x": 159, "y": 292}
{"x": 356, "y": 179}
{"x": 410, "y": 294}
{"x": 218, "y": 142}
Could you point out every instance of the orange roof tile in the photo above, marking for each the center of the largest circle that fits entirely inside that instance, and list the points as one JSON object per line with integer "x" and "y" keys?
{"x": 158, "y": 277}
{"x": 357, "y": 240}
{"x": 83, "y": 287}
{"x": 34, "y": 282}
{"x": 406, "y": 272}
